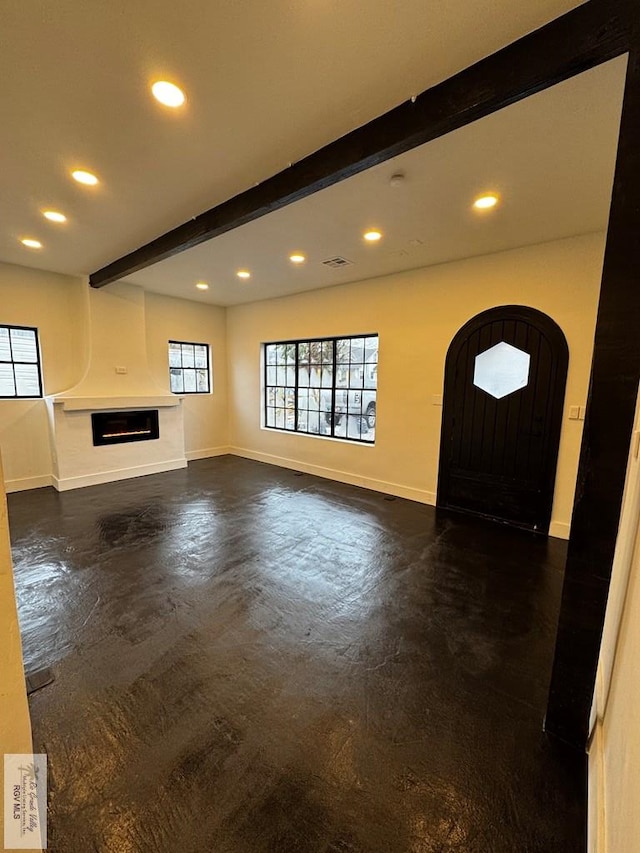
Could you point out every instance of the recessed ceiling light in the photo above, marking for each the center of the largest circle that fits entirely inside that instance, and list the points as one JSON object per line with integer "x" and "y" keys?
{"x": 486, "y": 201}
{"x": 297, "y": 258}
{"x": 83, "y": 177}
{"x": 202, "y": 285}
{"x": 243, "y": 274}
{"x": 372, "y": 236}
{"x": 30, "y": 243}
{"x": 54, "y": 216}
{"x": 168, "y": 94}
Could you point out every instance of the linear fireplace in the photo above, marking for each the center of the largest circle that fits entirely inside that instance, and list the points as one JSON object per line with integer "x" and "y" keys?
{"x": 122, "y": 427}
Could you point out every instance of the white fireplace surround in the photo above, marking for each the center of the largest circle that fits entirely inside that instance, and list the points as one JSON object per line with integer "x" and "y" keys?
{"x": 117, "y": 378}
{"x": 77, "y": 462}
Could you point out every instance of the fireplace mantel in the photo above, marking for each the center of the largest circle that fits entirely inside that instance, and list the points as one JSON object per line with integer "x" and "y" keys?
{"x": 96, "y": 404}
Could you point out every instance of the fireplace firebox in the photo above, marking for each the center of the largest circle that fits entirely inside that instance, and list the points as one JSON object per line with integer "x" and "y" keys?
{"x": 121, "y": 427}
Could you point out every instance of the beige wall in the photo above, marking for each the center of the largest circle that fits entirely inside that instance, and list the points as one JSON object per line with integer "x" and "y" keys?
{"x": 416, "y": 314}
{"x": 15, "y": 725}
{"x": 76, "y": 325}
{"x": 55, "y": 304}
{"x": 614, "y": 754}
{"x": 205, "y": 416}
{"x": 614, "y": 759}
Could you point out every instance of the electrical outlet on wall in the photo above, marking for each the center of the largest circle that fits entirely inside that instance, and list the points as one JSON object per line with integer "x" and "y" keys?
{"x": 121, "y": 370}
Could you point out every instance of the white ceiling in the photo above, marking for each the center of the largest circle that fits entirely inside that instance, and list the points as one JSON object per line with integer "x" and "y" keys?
{"x": 267, "y": 83}
{"x": 551, "y": 158}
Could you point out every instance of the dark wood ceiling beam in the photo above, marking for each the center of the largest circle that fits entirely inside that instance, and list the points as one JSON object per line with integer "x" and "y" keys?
{"x": 581, "y": 39}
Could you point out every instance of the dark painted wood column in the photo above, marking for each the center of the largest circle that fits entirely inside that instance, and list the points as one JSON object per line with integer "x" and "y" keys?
{"x": 605, "y": 446}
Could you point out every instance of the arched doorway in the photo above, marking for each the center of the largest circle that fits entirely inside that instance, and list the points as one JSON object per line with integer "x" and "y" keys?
{"x": 504, "y": 385}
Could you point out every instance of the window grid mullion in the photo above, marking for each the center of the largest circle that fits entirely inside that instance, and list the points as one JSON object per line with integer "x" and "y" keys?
{"x": 266, "y": 388}
{"x": 13, "y": 365}
{"x": 295, "y": 392}
{"x": 334, "y": 349}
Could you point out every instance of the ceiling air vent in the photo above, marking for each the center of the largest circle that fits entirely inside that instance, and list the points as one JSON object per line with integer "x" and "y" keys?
{"x": 337, "y": 262}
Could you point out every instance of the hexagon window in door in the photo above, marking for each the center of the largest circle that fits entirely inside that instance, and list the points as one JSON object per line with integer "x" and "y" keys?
{"x": 501, "y": 370}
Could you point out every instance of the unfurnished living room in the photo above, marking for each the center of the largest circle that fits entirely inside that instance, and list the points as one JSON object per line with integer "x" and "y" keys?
{"x": 319, "y": 426}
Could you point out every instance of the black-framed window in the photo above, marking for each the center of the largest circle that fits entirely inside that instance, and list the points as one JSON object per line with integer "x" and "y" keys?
{"x": 323, "y": 386}
{"x": 189, "y": 368}
{"x": 20, "y": 371}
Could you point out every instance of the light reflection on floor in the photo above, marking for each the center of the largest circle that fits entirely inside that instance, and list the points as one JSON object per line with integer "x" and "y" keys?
{"x": 301, "y": 664}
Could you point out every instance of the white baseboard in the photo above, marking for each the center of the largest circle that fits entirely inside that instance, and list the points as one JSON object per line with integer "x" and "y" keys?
{"x": 397, "y": 489}
{"x": 559, "y": 529}
{"x": 64, "y": 485}
{"x": 207, "y": 453}
{"x": 25, "y": 483}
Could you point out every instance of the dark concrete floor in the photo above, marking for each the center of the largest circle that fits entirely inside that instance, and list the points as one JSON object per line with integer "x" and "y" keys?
{"x": 248, "y": 660}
